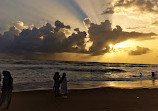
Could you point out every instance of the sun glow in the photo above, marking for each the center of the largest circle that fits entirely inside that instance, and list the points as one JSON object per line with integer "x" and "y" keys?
{"x": 117, "y": 46}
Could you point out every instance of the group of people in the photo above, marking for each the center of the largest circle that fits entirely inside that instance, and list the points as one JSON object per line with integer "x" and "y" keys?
{"x": 60, "y": 84}
{"x": 60, "y": 87}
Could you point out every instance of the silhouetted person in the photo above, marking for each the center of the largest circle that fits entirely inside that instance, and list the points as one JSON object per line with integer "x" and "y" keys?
{"x": 56, "y": 83}
{"x": 0, "y": 77}
{"x": 153, "y": 74}
{"x": 7, "y": 88}
{"x": 63, "y": 81}
{"x": 153, "y": 78}
{"x": 140, "y": 74}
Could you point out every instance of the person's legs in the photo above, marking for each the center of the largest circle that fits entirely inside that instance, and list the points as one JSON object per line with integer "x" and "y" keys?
{"x": 57, "y": 92}
{"x": 56, "y": 89}
{"x": 9, "y": 95}
{"x": 3, "y": 98}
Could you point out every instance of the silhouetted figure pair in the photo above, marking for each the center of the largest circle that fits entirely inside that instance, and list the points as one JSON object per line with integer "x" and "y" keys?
{"x": 7, "y": 88}
{"x": 60, "y": 84}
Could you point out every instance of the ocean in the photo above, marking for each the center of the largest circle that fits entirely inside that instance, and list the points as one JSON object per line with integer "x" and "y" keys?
{"x": 38, "y": 75}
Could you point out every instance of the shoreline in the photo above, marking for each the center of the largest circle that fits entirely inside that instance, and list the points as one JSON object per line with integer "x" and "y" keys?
{"x": 150, "y": 84}
{"x": 98, "y": 99}
{"x": 100, "y": 88}
{"x": 77, "y": 89}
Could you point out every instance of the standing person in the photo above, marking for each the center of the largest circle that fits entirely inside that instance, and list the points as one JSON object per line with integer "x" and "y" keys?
{"x": 0, "y": 78}
{"x": 56, "y": 83}
{"x": 153, "y": 78}
{"x": 140, "y": 74}
{"x": 153, "y": 74}
{"x": 7, "y": 88}
{"x": 63, "y": 81}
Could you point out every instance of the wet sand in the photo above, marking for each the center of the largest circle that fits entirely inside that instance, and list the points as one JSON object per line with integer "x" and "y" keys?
{"x": 100, "y": 99}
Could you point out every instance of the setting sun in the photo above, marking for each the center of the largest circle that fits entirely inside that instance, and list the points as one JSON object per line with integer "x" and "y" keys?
{"x": 118, "y": 45}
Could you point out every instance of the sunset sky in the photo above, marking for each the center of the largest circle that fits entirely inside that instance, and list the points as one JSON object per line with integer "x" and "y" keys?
{"x": 123, "y": 31}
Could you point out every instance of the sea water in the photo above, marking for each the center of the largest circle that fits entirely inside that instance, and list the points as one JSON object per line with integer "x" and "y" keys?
{"x": 35, "y": 74}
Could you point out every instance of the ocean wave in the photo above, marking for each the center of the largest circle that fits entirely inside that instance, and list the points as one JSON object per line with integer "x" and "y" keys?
{"x": 92, "y": 70}
{"x": 111, "y": 79}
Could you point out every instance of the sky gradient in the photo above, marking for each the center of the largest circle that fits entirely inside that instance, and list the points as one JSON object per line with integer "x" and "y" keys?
{"x": 123, "y": 31}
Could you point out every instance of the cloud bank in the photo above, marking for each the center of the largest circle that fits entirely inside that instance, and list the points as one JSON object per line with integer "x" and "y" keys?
{"x": 150, "y": 6}
{"x": 103, "y": 35}
{"x": 139, "y": 51}
{"x": 25, "y": 40}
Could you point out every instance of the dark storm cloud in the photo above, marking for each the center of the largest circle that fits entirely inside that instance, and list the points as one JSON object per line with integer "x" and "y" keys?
{"x": 142, "y": 5}
{"x": 75, "y": 42}
{"x": 103, "y": 35}
{"x": 47, "y": 39}
{"x": 139, "y": 51}
{"x": 7, "y": 38}
{"x": 60, "y": 25}
{"x": 57, "y": 39}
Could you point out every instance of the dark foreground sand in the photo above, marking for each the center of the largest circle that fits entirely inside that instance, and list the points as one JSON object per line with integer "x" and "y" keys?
{"x": 102, "y": 99}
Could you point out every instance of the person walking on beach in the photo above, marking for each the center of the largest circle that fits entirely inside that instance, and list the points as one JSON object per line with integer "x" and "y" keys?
{"x": 63, "y": 89}
{"x": 7, "y": 88}
{"x": 56, "y": 83}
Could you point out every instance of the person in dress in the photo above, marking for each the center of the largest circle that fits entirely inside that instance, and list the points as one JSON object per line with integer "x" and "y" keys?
{"x": 56, "y": 83}
{"x": 7, "y": 88}
{"x": 63, "y": 90}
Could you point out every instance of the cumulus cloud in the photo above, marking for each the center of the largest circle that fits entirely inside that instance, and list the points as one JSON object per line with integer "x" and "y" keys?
{"x": 87, "y": 22}
{"x": 103, "y": 35}
{"x": 15, "y": 29}
{"x": 139, "y": 51}
{"x": 141, "y": 5}
{"x": 19, "y": 25}
{"x": 60, "y": 25}
{"x": 47, "y": 39}
{"x": 9, "y": 35}
{"x": 58, "y": 39}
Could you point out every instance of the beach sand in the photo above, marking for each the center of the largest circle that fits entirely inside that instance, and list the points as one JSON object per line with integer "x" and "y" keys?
{"x": 100, "y": 99}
